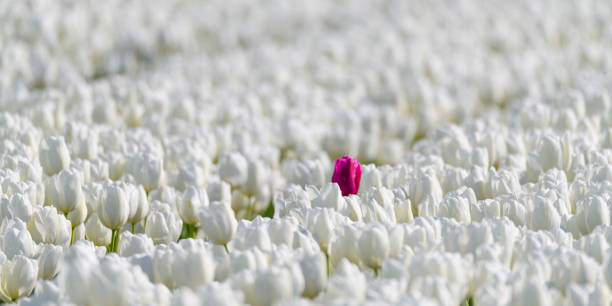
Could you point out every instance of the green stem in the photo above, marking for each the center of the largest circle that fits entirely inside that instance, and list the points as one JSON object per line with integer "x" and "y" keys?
{"x": 376, "y": 271}
{"x": 117, "y": 240}
{"x": 133, "y": 228}
{"x": 327, "y": 264}
{"x": 72, "y": 236}
{"x": 248, "y": 210}
{"x": 226, "y": 249}
{"x": 114, "y": 240}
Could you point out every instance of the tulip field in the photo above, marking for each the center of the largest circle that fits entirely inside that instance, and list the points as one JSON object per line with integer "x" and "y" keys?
{"x": 321, "y": 152}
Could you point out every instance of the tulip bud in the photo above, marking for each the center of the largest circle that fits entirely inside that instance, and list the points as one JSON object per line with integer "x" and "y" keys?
{"x": 47, "y": 226}
{"x": 78, "y": 215}
{"x": 113, "y": 208}
{"x": 163, "y": 226}
{"x": 54, "y": 155}
{"x": 48, "y": 261}
{"x": 347, "y": 174}
{"x": 96, "y": 232}
{"x": 64, "y": 191}
{"x": 194, "y": 199}
{"x": 374, "y": 246}
{"x": 218, "y": 222}
{"x": 139, "y": 206}
{"x": 18, "y": 278}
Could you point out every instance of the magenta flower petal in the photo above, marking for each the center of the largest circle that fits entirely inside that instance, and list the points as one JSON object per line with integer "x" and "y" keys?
{"x": 347, "y": 174}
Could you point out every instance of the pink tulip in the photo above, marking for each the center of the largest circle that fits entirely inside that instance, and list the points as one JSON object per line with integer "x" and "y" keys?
{"x": 347, "y": 173}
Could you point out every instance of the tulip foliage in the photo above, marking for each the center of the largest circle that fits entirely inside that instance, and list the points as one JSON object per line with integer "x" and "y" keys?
{"x": 235, "y": 152}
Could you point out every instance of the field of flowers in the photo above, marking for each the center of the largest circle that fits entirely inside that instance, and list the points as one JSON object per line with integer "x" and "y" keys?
{"x": 320, "y": 152}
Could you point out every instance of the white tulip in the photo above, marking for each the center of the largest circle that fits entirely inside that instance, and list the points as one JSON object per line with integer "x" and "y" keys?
{"x": 347, "y": 282}
{"x": 257, "y": 177}
{"x": 192, "y": 268}
{"x": 233, "y": 168}
{"x": 593, "y": 211}
{"x": 315, "y": 274}
{"x": 148, "y": 171}
{"x": 139, "y": 205}
{"x": 456, "y": 206}
{"x": 330, "y": 197}
{"x": 64, "y": 191}
{"x": 163, "y": 226}
{"x": 116, "y": 163}
{"x": 48, "y": 261}
{"x": 193, "y": 199}
{"x": 424, "y": 187}
{"x": 165, "y": 194}
{"x": 502, "y": 182}
{"x": 189, "y": 175}
{"x": 96, "y": 232}
{"x": 218, "y": 222}
{"x": 47, "y": 226}
{"x": 135, "y": 244}
{"x": 15, "y": 239}
{"x": 219, "y": 191}
{"x": 18, "y": 278}
{"x": 544, "y": 216}
{"x": 113, "y": 208}
{"x": 271, "y": 285}
{"x": 282, "y": 231}
{"x": 20, "y": 207}
{"x": 251, "y": 259}
{"x": 78, "y": 215}
{"x": 251, "y": 234}
{"x": 374, "y": 246}
{"x": 370, "y": 177}
{"x": 54, "y": 155}
{"x": 345, "y": 244}
{"x": 322, "y": 228}
{"x": 186, "y": 297}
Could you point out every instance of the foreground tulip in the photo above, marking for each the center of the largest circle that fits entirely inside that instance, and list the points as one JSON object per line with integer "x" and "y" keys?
{"x": 114, "y": 210}
{"x": 347, "y": 174}
{"x": 18, "y": 278}
{"x": 163, "y": 226}
{"x": 96, "y": 232}
{"x": 218, "y": 222}
{"x": 139, "y": 206}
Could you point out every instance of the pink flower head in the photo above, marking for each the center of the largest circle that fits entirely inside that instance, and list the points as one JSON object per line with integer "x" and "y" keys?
{"x": 347, "y": 173}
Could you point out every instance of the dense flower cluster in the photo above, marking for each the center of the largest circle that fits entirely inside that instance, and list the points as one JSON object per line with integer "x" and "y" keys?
{"x": 182, "y": 152}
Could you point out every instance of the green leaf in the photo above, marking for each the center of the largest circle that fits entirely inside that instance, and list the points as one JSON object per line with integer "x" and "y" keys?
{"x": 269, "y": 212}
